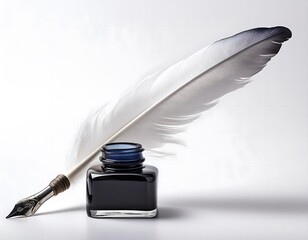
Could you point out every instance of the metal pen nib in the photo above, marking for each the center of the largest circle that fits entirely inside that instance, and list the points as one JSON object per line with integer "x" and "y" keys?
{"x": 28, "y": 206}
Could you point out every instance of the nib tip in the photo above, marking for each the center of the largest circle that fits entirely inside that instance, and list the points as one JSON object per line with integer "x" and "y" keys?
{"x": 23, "y": 208}
{"x": 15, "y": 212}
{"x": 12, "y": 214}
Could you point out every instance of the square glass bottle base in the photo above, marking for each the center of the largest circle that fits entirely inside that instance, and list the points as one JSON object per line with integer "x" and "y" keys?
{"x": 122, "y": 213}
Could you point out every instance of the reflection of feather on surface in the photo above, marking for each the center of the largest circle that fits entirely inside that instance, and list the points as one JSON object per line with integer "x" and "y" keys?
{"x": 164, "y": 103}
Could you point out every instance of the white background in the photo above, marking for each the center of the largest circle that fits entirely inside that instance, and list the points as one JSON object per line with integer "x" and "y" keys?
{"x": 243, "y": 174}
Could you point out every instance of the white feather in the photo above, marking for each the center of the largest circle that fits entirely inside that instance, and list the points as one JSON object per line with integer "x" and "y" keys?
{"x": 166, "y": 102}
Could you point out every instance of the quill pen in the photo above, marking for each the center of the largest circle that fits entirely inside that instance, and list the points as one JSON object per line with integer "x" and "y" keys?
{"x": 166, "y": 102}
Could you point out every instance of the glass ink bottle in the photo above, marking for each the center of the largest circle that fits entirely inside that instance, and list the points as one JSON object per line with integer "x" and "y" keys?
{"x": 122, "y": 186}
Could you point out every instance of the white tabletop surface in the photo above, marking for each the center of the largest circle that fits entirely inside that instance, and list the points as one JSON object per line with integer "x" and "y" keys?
{"x": 242, "y": 175}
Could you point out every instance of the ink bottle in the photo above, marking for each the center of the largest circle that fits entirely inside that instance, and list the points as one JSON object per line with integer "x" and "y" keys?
{"x": 122, "y": 186}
